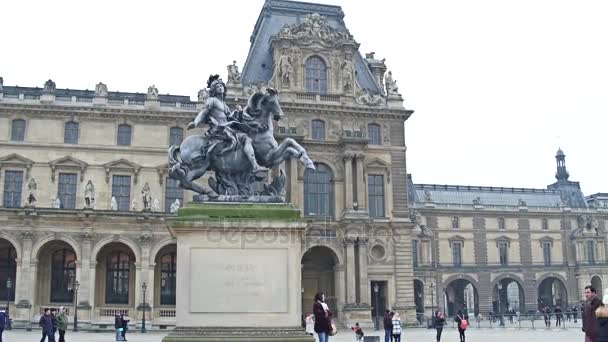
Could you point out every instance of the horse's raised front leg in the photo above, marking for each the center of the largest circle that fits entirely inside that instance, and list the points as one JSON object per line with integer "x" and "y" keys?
{"x": 188, "y": 182}
{"x": 281, "y": 153}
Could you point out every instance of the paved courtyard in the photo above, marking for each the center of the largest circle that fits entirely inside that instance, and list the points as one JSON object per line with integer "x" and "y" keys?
{"x": 449, "y": 335}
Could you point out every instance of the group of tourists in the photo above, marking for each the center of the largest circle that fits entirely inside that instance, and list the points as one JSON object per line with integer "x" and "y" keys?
{"x": 52, "y": 322}
{"x": 121, "y": 325}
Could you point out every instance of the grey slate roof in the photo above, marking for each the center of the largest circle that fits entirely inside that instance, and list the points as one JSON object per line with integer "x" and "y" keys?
{"x": 277, "y": 13}
{"x": 113, "y": 95}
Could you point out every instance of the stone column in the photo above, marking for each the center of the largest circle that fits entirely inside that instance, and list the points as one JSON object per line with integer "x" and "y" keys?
{"x": 339, "y": 287}
{"x": 364, "y": 291}
{"x": 292, "y": 183}
{"x": 351, "y": 293}
{"x": 24, "y": 276}
{"x": 361, "y": 182}
{"x": 348, "y": 182}
{"x": 92, "y": 285}
{"x": 83, "y": 273}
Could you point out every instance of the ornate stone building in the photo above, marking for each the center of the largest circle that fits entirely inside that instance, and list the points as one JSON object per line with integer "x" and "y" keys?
{"x": 109, "y": 235}
{"x": 485, "y": 248}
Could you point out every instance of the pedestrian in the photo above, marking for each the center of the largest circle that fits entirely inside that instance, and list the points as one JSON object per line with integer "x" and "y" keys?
{"x": 592, "y": 302}
{"x": 46, "y": 323}
{"x": 462, "y": 322}
{"x": 54, "y": 320}
{"x": 125, "y": 326}
{"x": 358, "y": 332}
{"x": 3, "y": 320}
{"x": 602, "y": 319}
{"x": 388, "y": 326}
{"x": 558, "y": 316}
{"x": 575, "y": 313}
{"x": 310, "y": 324}
{"x": 118, "y": 327}
{"x": 546, "y": 316}
{"x": 62, "y": 324}
{"x": 439, "y": 323}
{"x": 322, "y": 317}
{"x": 396, "y": 322}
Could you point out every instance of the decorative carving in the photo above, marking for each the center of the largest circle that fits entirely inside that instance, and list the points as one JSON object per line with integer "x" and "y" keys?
{"x": 68, "y": 163}
{"x": 234, "y": 76}
{"x": 122, "y": 165}
{"x": 145, "y": 238}
{"x": 134, "y": 205}
{"x": 113, "y": 204}
{"x": 315, "y": 29}
{"x": 477, "y": 201}
{"x": 89, "y": 195}
{"x": 175, "y": 206}
{"x": 56, "y": 203}
{"x": 152, "y": 93}
{"x": 49, "y": 87}
{"x": 101, "y": 90}
{"x": 27, "y": 235}
{"x": 416, "y": 217}
{"x": 521, "y": 203}
{"x": 391, "y": 84}
{"x": 427, "y": 196}
{"x": 348, "y": 75}
{"x": 146, "y": 199}
{"x": 364, "y": 97}
{"x": 203, "y": 95}
{"x": 31, "y": 193}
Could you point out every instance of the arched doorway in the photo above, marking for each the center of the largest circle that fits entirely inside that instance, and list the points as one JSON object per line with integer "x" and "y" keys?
{"x": 461, "y": 294}
{"x": 165, "y": 276}
{"x": 56, "y": 274}
{"x": 8, "y": 270}
{"x": 115, "y": 276}
{"x": 419, "y": 297}
{"x": 596, "y": 282}
{"x": 552, "y": 293}
{"x": 508, "y": 295}
{"x": 318, "y": 275}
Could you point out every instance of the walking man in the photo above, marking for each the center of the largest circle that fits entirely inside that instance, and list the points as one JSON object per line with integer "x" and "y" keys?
{"x": 62, "y": 324}
{"x": 46, "y": 323}
{"x": 592, "y": 302}
{"x": 3, "y": 320}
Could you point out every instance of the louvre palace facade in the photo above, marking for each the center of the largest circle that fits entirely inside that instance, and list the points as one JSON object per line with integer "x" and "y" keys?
{"x": 74, "y": 165}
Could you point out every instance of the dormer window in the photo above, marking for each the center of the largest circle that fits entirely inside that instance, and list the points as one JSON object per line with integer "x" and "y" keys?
{"x": 316, "y": 75}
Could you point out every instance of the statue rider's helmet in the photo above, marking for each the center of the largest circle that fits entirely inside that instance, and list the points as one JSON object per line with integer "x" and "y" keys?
{"x": 212, "y": 83}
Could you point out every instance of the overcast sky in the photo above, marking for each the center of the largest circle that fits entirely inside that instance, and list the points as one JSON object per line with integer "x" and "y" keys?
{"x": 497, "y": 86}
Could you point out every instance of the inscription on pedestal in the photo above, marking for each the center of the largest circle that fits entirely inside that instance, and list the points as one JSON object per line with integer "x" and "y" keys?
{"x": 238, "y": 281}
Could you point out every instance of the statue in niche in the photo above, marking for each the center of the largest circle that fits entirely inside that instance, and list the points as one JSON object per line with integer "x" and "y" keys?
{"x": 391, "y": 84}
{"x": 347, "y": 75}
{"x": 101, "y": 90}
{"x": 285, "y": 68}
{"x": 31, "y": 192}
{"x": 152, "y": 93}
{"x": 234, "y": 76}
{"x": 89, "y": 195}
{"x": 146, "y": 195}
{"x": 49, "y": 87}
{"x": 113, "y": 204}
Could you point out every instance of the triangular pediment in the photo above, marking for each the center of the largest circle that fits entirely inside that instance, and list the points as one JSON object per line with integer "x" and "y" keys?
{"x": 121, "y": 164}
{"x": 15, "y": 159}
{"x": 379, "y": 163}
{"x": 68, "y": 161}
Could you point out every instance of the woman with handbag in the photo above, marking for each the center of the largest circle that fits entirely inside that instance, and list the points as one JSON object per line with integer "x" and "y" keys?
{"x": 323, "y": 325}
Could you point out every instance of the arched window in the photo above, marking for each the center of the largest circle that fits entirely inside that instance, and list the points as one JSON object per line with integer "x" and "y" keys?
{"x": 8, "y": 269}
{"x": 318, "y": 192}
{"x": 373, "y": 134}
{"x": 167, "y": 278}
{"x": 318, "y": 130}
{"x": 70, "y": 134}
{"x": 176, "y": 135}
{"x": 316, "y": 75}
{"x": 124, "y": 135}
{"x": 63, "y": 270}
{"x": 18, "y": 130}
{"x": 117, "y": 278}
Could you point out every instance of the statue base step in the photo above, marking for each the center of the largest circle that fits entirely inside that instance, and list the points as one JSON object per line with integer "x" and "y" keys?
{"x": 183, "y": 334}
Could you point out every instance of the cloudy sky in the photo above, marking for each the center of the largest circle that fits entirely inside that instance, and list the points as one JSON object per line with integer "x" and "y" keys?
{"x": 497, "y": 86}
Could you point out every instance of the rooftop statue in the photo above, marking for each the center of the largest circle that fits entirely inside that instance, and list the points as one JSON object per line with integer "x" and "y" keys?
{"x": 238, "y": 146}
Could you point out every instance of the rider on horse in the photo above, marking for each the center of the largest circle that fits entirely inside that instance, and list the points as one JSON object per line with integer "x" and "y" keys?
{"x": 223, "y": 128}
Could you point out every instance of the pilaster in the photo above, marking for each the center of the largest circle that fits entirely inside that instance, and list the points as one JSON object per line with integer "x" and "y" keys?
{"x": 351, "y": 293}
{"x": 361, "y": 183}
{"x": 364, "y": 291}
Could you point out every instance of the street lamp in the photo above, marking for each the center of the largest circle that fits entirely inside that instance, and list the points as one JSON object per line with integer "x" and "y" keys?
{"x": 502, "y": 322}
{"x": 432, "y": 286}
{"x": 144, "y": 287}
{"x": 73, "y": 286}
{"x": 9, "y": 286}
{"x": 376, "y": 291}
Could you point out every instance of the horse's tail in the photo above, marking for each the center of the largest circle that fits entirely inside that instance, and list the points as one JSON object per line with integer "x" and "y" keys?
{"x": 174, "y": 156}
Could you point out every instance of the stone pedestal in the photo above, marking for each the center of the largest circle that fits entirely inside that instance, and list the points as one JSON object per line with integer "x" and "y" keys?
{"x": 358, "y": 313}
{"x": 238, "y": 273}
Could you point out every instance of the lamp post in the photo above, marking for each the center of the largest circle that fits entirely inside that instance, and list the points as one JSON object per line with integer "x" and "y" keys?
{"x": 144, "y": 287}
{"x": 75, "y": 287}
{"x": 376, "y": 291}
{"x": 502, "y": 322}
{"x": 432, "y": 286}
{"x": 9, "y": 286}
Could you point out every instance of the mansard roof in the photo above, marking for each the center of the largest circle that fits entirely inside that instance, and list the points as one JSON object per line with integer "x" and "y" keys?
{"x": 275, "y": 15}
{"x": 112, "y": 95}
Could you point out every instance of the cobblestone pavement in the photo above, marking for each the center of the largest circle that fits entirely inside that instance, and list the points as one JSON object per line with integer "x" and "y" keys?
{"x": 417, "y": 335}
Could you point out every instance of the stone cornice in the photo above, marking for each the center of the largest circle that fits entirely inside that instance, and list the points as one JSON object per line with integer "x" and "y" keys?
{"x": 494, "y": 213}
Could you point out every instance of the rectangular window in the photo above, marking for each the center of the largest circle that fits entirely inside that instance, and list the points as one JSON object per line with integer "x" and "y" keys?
{"x": 18, "y": 130}
{"x": 591, "y": 252}
{"x": 66, "y": 191}
{"x": 13, "y": 185}
{"x": 503, "y": 249}
{"x": 415, "y": 252}
{"x": 124, "y": 135}
{"x": 547, "y": 253}
{"x": 176, "y": 136}
{"x": 545, "y": 224}
{"x": 121, "y": 190}
{"x": 455, "y": 222}
{"x": 70, "y": 134}
{"x": 457, "y": 253}
{"x": 375, "y": 189}
{"x": 318, "y": 130}
{"x": 501, "y": 223}
{"x": 172, "y": 192}
{"x": 373, "y": 134}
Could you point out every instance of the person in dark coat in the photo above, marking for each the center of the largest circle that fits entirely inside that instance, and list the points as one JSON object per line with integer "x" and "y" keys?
{"x": 118, "y": 327}
{"x": 458, "y": 319}
{"x": 54, "y": 320}
{"x": 602, "y": 319}
{"x": 3, "y": 322}
{"x": 388, "y": 326}
{"x": 46, "y": 323}
{"x": 589, "y": 320}
{"x": 322, "y": 317}
{"x": 125, "y": 326}
{"x": 439, "y": 322}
